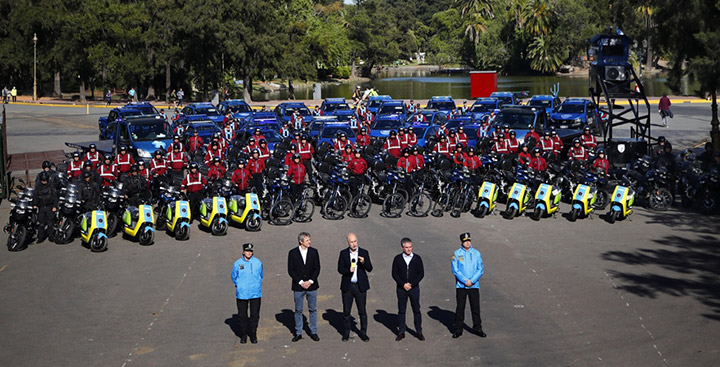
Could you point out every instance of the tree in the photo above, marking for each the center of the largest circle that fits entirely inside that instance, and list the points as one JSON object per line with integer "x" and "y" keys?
{"x": 374, "y": 34}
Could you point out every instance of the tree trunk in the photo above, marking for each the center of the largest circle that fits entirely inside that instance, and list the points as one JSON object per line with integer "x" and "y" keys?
{"x": 353, "y": 70}
{"x": 82, "y": 91}
{"x": 291, "y": 89}
{"x": 168, "y": 83}
{"x": 57, "y": 92}
{"x": 649, "y": 61}
{"x": 151, "y": 92}
{"x": 247, "y": 88}
{"x": 715, "y": 131}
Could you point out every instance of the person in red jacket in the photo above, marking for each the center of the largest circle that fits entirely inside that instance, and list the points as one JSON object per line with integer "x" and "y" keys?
{"x": 363, "y": 139}
{"x": 557, "y": 143}
{"x": 212, "y": 152}
{"x": 459, "y": 156}
{"x": 176, "y": 140}
{"x": 340, "y": 142}
{"x": 288, "y": 156}
{"x": 452, "y": 140}
{"x": 194, "y": 185}
{"x": 500, "y": 145}
{"x": 600, "y": 162}
{"x": 411, "y": 137}
{"x": 442, "y": 147}
{"x": 546, "y": 144}
{"x": 177, "y": 160}
{"x": 347, "y": 154}
{"x": 93, "y": 156}
{"x": 296, "y": 174}
{"x": 403, "y": 138}
{"x": 74, "y": 168}
{"x": 588, "y": 140}
{"x": 418, "y": 159}
{"x": 264, "y": 150}
{"x": 392, "y": 145}
{"x": 577, "y": 151}
{"x": 216, "y": 171}
{"x": 512, "y": 143}
{"x": 229, "y": 131}
{"x": 537, "y": 162}
{"x": 285, "y": 130}
{"x": 472, "y": 162}
{"x": 405, "y": 163}
{"x": 461, "y": 136}
{"x": 241, "y": 176}
{"x": 158, "y": 166}
{"x": 306, "y": 151}
{"x": 357, "y": 168}
{"x": 195, "y": 143}
{"x": 106, "y": 171}
{"x": 144, "y": 171}
{"x": 532, "y": 134}
{"x": 256, "y": 166}
{"x": 123, "y": 161}
{"x": 524, "y": 154}
{"x": 258, "y": 135}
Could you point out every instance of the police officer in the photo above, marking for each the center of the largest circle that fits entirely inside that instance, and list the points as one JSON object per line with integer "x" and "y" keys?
{"x": 90, "y": 193}
{"x": 467, "y": 267}
{"x": 45, "y": 200}
{"x": 52, "y": 174}
{"x": 74, "y": 168}
{"x": 247, "y": 275}
{"x": 194, "y": 185}
{"x": 135, "y": 185}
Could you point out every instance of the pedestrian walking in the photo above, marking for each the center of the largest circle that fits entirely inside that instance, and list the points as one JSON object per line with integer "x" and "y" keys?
{"x": 131, "y": 94}
{"x": 664, "y": 109}
{"x": 247, "y": 275}
{"x": 5, "y": 94}
{"x": 304, "y": 269}
{"x": 13, "y": 93}
{"x": 108, "y": 98}
{"x": 354, "y": 264}
{"x": 467, "y": 267}
{"x": 408, "y": 271}
{"x": 180, "y": 96}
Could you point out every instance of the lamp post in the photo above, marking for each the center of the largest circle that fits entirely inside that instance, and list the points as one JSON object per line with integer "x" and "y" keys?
{"x": 34, "y": 66}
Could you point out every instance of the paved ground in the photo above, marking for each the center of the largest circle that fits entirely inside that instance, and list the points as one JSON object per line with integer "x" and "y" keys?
{"x": 637, "y": 293}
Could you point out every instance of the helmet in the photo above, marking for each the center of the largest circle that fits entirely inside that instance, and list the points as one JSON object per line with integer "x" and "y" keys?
{"x": 86, "y": 174}
{"x": 415, "y": 149}
{"x": 586, "y": 128}
{"x": 348, "y": 146}
{"x": 661, "y": 139}
{"x": 536, "y": 150}
{"x": 214, "y": 145}
{"x": 216, "y": 135}
{"x": 46, "y": 164}
{"x": 141, "y": 162}
{"x": 135, "y": 168}
{"x": 401, "y": 130}
{"x": 107, "y": 157}
{"x": 176, "y": 136}
{"x": 512, "y": 133}
{"x": 358, "y": 151}
{"x": 601, "y": 151}
{"x": 506, "y": 126}
{"x": 546, "y": 134}
{"x": 393, "y": 133}
{"x": 252, "y": 139}
{"x": 262, "y": 141}
{"x": 216, "y": 160}
{"x": 194, "y": 165}
{"x": 410, "y": 128}
{"x": 44, "y": 176}
{"x": 241, "y": 161}
{"x": 461, "y": 127}
{"x": 293, "y": 146}
{"x": 343, "y": 135}
{"x": 176, "y": 146}
{"x": 296, "y": 156}
{"x": 441, "y": 136}
{"x": 471, "y": 150}
{"x": 255, "y": 151}
{"x": 87, "y": 163}
{"x": 93, "y": 146}
{"x": 76, "y": 155}
{"x": 576, "y": 141}
{"x": 501, "y": 135}
{"x": 304, "y": 137}
{"x": 194, "y": 131}
{"x": 363, "y": 130}
{"x": 452, "y": 131}
{"x": 123, "y": 148}
{"x": 553, "y": 132}
{"x": 406, "y": 151}
{"x": 158, "y": 152}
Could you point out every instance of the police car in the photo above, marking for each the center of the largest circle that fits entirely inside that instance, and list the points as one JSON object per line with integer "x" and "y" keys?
{"x": 284, "y": 111}
{"x": 240, "y": 109}
{"x": 393, "y": 108}
{"x": 337, "y": 107}
{"x": 444, "y": 104}
{"x": 469, "y": 126}
{"x": 427, "y": 117}
{"x": 508, "y": 98}
{"x": 426, "y": 134}
{"x": 329, "y": 131}
{"x": 146, "y": 108}
{"x": 204, "y": 108}
{"x": 120, "y": 113}
{"x": 374, "y": 102}
{"x": 205, "y": 127}
{"x": 382, "y": 126}
{"x": 575, "y": 113}
{"x": 483, "y": 106}
{"x": 548, "y": 102}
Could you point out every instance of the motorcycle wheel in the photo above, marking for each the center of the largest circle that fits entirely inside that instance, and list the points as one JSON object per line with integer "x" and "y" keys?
{"x": 708, "y": 204}
{"x": 660, "y": 199}
{"x": 613, "y": 216}
{"x": 574, "y": 215}
{"x": 537, "y": 214}
{"x": 457, "y": 206}
{"x": 394, "y": 205}
{"x": 304, "y": 211}
{"x": 146, "y": 238}
{"x": 420, "y": 204}
{"x": 98, "y": 244}
{"x": 510, "y": 213}
{"x": 253, "y": 223}
{"x": 481, "y": 212}
{"x": 16, "y": 240}
{"x": 334, "y": 208}
{"x": 282, "y": 212}
{"x": 360, "y": 206}
{"x": 64, "y": 236}
{"x": 182, "y": 233}
{"x": 602, "y": 199}
{"x": 218, "y": 228}
{"x": 112, "y": 224}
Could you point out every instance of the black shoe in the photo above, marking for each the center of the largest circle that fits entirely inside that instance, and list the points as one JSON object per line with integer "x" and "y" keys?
{"x": 364, "y": 337}
{"x": 243, "y": 340}
{"x": 296, "y": 338}
{"x": 345, "y": 337}
{"x": 400, "y": 337}
{"x": 315, "y": 337}
{"x": 420, "y": 336}
{"x": 253, "y": 339}
{"x": 480, "y": 333}
{"x": 456, "y": 335}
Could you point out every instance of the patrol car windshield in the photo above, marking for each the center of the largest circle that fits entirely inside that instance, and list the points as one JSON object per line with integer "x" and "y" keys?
{"x": 304, "y": 111}
{"x": 391, "y": 109}
{"x": 331, "y": 131}
{"x": 571, "y": 108}
{"x": 505, "y": 100}
{"x": 240, "y": 108}
{"x": 441, "y": 105}
{"x": 540, "y": 103}
{"x": 375, "y": 103}
{"x": 204, "y": 125}
{"x": 210, "y": 111}
{"x": 482, "y": 107}
{"x": 386, "y": 124}
{"x": 271, "y": 136}
{"x": 146, "y": 110}
{"x": 133, "y": 112}
{"x": 516, "y": 120}
{"x": 150, "y": 131}
{"x": 336, "y": 106}
{"x": 419, "y": 131}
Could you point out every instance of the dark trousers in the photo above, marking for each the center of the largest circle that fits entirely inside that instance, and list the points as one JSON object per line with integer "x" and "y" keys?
{"x": 256, "y": 182}
{"x": 360, "y": 298}
{"x": 248, "y": 325}
{"x": 474, "y": 296}
{"x": 195, "y": 198}
{"x": 45, "y": 218}
{"x": 414, "y": 296}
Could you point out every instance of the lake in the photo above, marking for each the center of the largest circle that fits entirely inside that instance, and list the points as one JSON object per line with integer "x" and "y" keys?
{"x": 421, "y": 84}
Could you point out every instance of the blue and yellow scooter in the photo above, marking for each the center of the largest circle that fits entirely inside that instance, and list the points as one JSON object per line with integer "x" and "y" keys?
{"x": 213, "y": 213}
{"x": 138, "y": 222}
{"x": 517, "y": 201}
{"x": 621, "y": 205}
{"x": 583, "y": 203}
{"x": 177, "y": 219}
{"x": 93, "y": 230}
{"x": 250, "y": 216}
{"x": 547, "y": 201}
{"x": 487, "y": 199}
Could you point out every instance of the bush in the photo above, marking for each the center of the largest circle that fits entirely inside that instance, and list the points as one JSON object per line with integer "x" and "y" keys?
{"x": 342, "y": 72}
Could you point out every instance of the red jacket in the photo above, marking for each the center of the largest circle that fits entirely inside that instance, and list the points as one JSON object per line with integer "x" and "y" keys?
{"x": 362, "y": 140}
{"x": 501, "y": 147}
{"x": 588, "y": 141}
{"x": 524, "y": 157}
{"x": 532, "y": 134}
{"x": 256, "y": 166}
{"x": 74, "y": 169}
{"x": 403, "y": 140}
{"x": 601, "y": 163}
{"x": 195, "y": 143}
{"x": 358, "y": 166}
{"x": 406, "y": 164}
{"x": 512, "y": 145}
{"x": 419, "y": 161}
{"x": 216, "y": 172}
{"x": 306, "y": 151}
{"x": 547, "y": 145}
{"x": 241, "y": 177}
{"x": 411, "y": 139}
{"x": 194, "y": 182}
{"x": 577, "y": 153}
{"x": 158, "y": 167}
{"x": 123, "y": 162}
{"x": 462, "y": 139}
{"x": 107, "y": 174}
{"x": 538, "y": 164}
{"x": 177, "y": 161}
{"x": 94, "y": 158}
{"x": 557, "y": 145}
{"x": 459, "y": 157}
{"x": 393, "y": 147}
{"x": 212, "y": 154}
{"x": 442, "y": 148}
{"x": 296, "y": 173}
{"x": 472, "y": 162}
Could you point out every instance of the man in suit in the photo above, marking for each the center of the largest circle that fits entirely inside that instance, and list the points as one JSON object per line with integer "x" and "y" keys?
{"x": 467, "y": 267}
{"x": 408, "y": 271}
{"x": 354, "y": 264}
{"x": 304, "y": 269}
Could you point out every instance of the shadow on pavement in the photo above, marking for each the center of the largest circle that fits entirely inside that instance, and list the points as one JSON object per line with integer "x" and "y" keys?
{"x": 389, "y": 320}
{"x": 445, "y": 317}
{"x": 336, "y": 320}
{"x": 685, "y": 220}
{"x": 287, "y": 318}
{"x": 696, "y": 264}
{"x": 234, "y": 323}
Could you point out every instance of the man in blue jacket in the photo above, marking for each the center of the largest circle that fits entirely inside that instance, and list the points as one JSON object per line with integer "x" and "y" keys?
{"x": 467, "y": 267}
{"x": 247, "y": 274}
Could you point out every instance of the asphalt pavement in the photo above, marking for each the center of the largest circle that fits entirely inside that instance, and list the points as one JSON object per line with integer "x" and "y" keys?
{"x": 640, "y": 292}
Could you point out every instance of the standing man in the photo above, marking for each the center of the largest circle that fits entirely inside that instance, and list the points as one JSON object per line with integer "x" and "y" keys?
{"x": 180, "y": 96}
{"x": 13, "y": 93}
{"x": 467, "y": 267}
{"x": 664, "y": 109}
{"x": 304, "y": 269}
{"x": 354, "y": 264}
{"x": 408, "y": 271}
{"x": 247, "y": 274}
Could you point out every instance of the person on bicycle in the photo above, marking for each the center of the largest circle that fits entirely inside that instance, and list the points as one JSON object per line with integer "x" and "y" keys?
{"x": 241, "y": 176}
{"x": 296, "y": 174}
{"x": 357, "y": 167}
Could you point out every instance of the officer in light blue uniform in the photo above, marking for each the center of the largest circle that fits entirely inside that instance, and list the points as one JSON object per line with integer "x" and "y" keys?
{"x": 247, "y": 274}
{"x": 467, "y": 267}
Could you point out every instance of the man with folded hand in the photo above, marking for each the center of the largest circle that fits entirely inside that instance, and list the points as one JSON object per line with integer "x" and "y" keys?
{"x": 467, "y": 267}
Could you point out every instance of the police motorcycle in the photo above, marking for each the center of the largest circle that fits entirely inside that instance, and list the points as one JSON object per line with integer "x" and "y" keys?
{"x": 520, "y": 196}
{"x": 709, "y": 191}
{"x": 583, "y": 202}
{"x": 621, "y": 203}
{"x": 213, "y": 212}
{"x": 649, "y": 183}
{"x": 173, "y": 212}
{"x": 67, "y": 213}
{"x": 23, "y": 218}
{"x": 114, "y": 203}
{"x": 138, "y": 223}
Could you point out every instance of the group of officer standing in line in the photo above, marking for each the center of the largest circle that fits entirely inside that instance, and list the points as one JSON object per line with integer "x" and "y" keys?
{"x": 353, "y": 264}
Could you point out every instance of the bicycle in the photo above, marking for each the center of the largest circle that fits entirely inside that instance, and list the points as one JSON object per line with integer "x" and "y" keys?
{"x": 361, "y": 203}
{"x": 304, "y": 208}
{"x": 394, "y": 202}
{"x": 420, "y": 202}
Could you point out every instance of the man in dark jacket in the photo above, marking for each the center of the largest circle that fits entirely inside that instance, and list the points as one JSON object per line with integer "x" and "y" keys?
{"x": 304, "y": 269}
{"x": 45, "y": 200}
{"x": 90, "y": 193}
{"x": 136, "y": 188}
{"x": 408, "y": 271}
{"x": 354, "y": 264}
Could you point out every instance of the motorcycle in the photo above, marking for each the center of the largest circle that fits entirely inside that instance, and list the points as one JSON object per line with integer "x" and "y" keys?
{"x": 173, "y": 213}
{"x": 250, "y": 217}
{"x": 213, "y": 213}
{"x": 547, "y": 201}
{"x": 67, "y": 214}
{"x": 487, "y": 199}
{"x": 23, "y": 219}
{"x": 138, "y": 224}
{"x": 621, "y": 205}
{"x": 93, "y": 230}
{"x": 583, "y": 203}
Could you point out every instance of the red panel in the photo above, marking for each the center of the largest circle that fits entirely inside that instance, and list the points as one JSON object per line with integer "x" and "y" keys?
{"x": 482, "y": 83}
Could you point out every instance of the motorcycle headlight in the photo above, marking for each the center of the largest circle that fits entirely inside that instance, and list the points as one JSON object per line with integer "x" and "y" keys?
{"x": 142, "y": 153}
{"x": 20, "y": 211}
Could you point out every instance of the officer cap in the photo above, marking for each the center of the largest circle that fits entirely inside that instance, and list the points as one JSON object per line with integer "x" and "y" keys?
{"x": 257, "y": 130}
{"x": 393, "y": 133}
{"x": 358, "y": 151}
{"x": 501, "y": 135}
{"x": 471, "y": 150}
{"x": 465, "y": 237}
{"x": 410, "y": 128}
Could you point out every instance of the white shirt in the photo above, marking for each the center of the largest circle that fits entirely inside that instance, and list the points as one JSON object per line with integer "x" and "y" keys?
{"x": 354, "y": 256}
{"x": 407, "y": 258}
{"x": 303, "y": 254}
